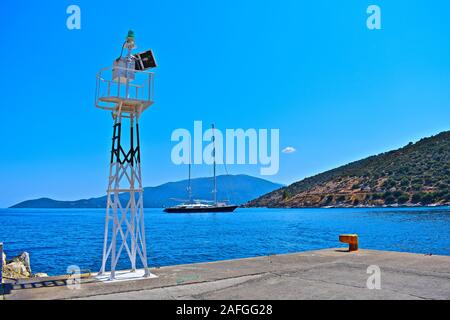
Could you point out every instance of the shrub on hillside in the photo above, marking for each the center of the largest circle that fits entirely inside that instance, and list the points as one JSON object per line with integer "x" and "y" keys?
{"x": 428, "y": 198}
{"x": 416, "y": 198}
{"x": 389, "y": 200}
{"x": 404, "y": 198}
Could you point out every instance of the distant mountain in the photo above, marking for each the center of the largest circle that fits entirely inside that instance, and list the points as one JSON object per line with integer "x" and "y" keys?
{"x": 418, "y": 174}
{"x": 238, "y": 189}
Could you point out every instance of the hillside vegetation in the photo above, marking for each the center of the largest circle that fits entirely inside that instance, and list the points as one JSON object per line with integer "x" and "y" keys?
{"x": 417, "y": 174}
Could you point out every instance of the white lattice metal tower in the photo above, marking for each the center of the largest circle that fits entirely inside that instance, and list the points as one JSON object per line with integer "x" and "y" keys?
{"x": 126, "y": 90}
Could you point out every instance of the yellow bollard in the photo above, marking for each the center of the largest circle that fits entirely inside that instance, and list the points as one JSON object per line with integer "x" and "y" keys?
{"x": 351, "y": 239}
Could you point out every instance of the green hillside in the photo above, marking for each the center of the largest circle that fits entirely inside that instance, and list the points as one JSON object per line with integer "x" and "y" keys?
{"x": 417, "y": 174}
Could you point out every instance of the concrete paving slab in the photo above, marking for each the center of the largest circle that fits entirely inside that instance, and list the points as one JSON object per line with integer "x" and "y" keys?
{"x": 123, "y": 275}
{"x": 322, "y": 274}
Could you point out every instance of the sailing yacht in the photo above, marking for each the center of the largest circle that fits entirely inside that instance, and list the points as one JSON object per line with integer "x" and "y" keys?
{"x": 200, "y": 206}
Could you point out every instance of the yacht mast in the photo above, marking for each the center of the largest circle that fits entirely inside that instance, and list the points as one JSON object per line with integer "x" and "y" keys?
{"x": 214, "y": 159}
{"x": 189, "y": 188}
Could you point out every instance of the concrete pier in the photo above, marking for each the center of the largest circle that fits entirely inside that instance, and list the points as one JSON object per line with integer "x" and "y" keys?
{"x": 322, "y": 274}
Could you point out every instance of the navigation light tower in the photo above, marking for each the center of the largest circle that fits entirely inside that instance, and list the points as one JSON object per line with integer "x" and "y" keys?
{"x": 125, "y": 89}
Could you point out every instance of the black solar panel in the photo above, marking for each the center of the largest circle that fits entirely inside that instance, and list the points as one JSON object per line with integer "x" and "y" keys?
{"x": 145, "y": 60}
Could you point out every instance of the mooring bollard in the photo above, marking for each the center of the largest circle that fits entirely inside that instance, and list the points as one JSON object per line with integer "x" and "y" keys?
{"x": 351, "y": 239}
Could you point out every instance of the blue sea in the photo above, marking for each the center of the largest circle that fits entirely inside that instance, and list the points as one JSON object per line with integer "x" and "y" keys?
{"x": 59, "y": 238}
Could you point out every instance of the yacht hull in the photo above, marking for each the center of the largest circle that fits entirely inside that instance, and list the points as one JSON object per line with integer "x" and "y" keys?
{"x": 201, "y": 210}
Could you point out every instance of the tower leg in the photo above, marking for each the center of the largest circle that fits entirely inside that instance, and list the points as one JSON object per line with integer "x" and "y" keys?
{"x": 107, "y": 219}
{"x": 132, "y": 197}
{"x": 142, "y": 224}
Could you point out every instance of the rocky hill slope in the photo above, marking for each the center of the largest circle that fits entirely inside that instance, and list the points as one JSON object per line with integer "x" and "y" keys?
{"x": 417, "y": 174}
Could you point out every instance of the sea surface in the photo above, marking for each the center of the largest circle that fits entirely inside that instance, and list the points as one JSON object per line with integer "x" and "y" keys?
{"x": 58, "y": 238}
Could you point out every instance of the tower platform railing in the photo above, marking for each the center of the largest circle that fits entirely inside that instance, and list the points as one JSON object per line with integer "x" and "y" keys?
{"x": 129, "y": 89}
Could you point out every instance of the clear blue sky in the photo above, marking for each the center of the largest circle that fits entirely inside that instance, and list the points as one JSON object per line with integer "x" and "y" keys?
{"x": 337, "y": 91}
